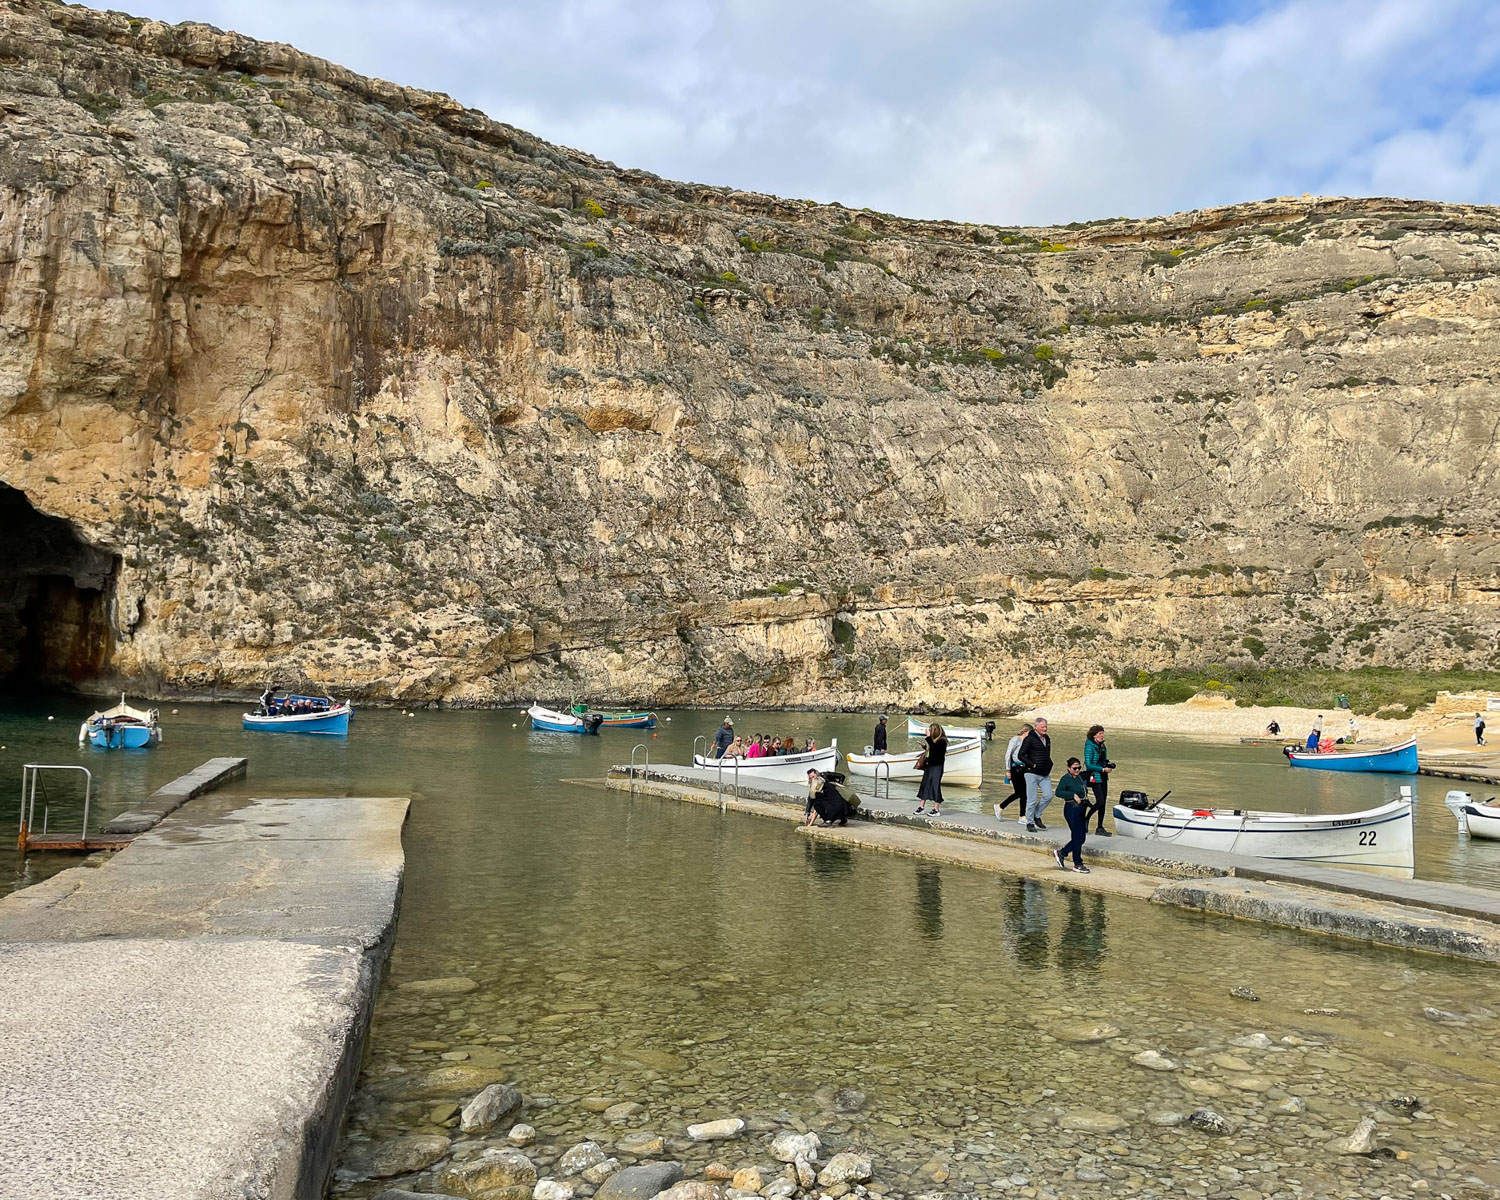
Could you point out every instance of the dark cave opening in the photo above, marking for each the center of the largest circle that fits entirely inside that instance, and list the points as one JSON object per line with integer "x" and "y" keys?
{"x": 55, "y": 593}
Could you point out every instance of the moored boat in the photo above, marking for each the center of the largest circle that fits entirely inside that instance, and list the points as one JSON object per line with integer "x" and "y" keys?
{"x": 550, "y": 720}
{"x": 1375, "y": 837}
{"x": 775, "y": 766}
{"x": 963, "y": 765}
{"x": 1400, "y": 759}
{"x": 619, "y": 720}
{"x": 1477, "y": 819}
{"x": 917, "y": 727}
{"x": 299, "y": 714}
{"x": 121, "y": 728}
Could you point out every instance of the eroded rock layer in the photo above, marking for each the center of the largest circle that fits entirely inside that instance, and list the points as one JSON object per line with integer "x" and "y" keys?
{"x": 350, "y": 385}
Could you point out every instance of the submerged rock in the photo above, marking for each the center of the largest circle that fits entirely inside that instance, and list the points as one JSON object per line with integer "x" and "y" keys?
{"x": 498, "y": 1102}
{"x": 642, "y": 1143}
{"x": 1085, "y": 1035}
{"x": 1210, "y": 1121}
{"x": 1243, "y": 993}
{"x": 1154, "y": 1061}
{"x": 521, "y": 1135}
{"x": 1361, "y": 1141}
{"x": 716, "y": 1131}
{"x": 494, "y": 1175}
{"x": 747, "y": 1179}
{"x": 787, "y": 1146}
{"x": 1292, "y": 1106}
{"x": 1252, "y": 1041}
{"x": 693, "y": 1189}
{"x": 401, "y": 1156}
{"x": 848, "y": 1166}
{"x": 552, "y": 1189}
{"x": 580, "y": 1158}
{"x": 601, "y": 1171}
{"x": 1404, "y": 1105}
{"x": 640, "y": 1182}
{"x": 1087, "y": 1120}
{"x": 449, "y": 985}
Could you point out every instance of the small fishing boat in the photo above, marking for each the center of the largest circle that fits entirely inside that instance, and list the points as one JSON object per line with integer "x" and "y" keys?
{"x": 774, "y": 766}
{"x": 963, "y": 765}
{"x": 121, "y": 728}
{"x": 299, "y": 714}
{"x": 549, "y": 720}
{"x": 917, "y": 727}
{"x": 1475, "y": 818}
{"x": 619, "y": 720}
{"x": 1400, "y": 759}
{"x": 1375, "y": 837}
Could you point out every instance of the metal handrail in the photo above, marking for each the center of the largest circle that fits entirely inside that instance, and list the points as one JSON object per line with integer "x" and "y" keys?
{"x": 696, "y": 740}
{"x": 875, "y": 787}
{"x": 723, "y": 806}
{"x": 633, "y": 749}
{"x": 30, "y": 773}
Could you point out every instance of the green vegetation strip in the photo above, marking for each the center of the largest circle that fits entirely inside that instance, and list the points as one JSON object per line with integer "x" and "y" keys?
{"x": 1369, "y": 689}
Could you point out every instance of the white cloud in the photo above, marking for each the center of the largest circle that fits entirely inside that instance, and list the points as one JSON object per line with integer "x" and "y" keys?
{"x": 1025, "y": 111}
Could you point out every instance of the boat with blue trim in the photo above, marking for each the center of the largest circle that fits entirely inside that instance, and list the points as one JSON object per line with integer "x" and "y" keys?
{"x": 1376, "y": 837}
{"x": 122, "y": 728}
{"x": 1400, "y": 759}
{"x": 619, "y": 720}
{"x": 550, "y": 720}
{"x": 299, "y": 714}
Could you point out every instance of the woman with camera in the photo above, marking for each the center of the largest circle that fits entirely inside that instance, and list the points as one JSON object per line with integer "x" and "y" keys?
{"x": 1096, "y": 769}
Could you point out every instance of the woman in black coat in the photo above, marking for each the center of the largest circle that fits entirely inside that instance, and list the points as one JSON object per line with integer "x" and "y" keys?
{"x": 935, "y": 746}
{"x": 826, "y": 800}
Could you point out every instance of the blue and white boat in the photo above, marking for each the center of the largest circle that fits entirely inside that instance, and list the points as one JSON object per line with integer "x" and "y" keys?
{"x": 299, "y": 714}
{"x": 1400, "y": 759}
{"x": 121, "y": 728}
{"x": 549, "y": 720}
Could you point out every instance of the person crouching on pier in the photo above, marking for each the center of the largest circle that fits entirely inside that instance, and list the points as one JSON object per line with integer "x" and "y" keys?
{"x": 1074, "y": 795}
{"x": 826, "y": 800}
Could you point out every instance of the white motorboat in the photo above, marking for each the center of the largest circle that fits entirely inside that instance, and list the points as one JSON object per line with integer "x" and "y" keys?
{"x": 1375, "y": 837}
{"x": 550, "y": 720}
{"x": 1475, "y": 818}
{"x": 774, "y": 766}
{"x": 915, "y": 727}
{"x": 963, "y": 765}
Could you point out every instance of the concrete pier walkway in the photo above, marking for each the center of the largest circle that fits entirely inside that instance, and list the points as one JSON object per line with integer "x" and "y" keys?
{"x": 187, "y": 1019}
{"x": 1413, "y": 914}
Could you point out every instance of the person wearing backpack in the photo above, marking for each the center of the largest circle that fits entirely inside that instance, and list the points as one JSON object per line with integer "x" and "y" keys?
{"x": 829, "y": 799}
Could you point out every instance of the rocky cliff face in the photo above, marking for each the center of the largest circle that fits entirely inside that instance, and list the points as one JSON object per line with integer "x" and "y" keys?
{"x": 351, "y": 385}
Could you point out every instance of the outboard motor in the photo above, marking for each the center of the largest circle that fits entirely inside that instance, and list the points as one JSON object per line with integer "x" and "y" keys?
{"x": 1454, "y": 802}
{"x": 592, "y": 721}
{"x": 989, "y": 731}
{"x": 1136, "y": 800}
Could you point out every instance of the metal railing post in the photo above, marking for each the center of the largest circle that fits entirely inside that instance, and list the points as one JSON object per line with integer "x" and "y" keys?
{"x": 875, "y": 791}
{"x": 633, "y": 749}
{"x": 31, "y": 772}
{"x": 696, "y": 740}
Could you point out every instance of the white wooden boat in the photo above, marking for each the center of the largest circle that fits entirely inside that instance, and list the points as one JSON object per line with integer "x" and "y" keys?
{"x": 1475, "y": 818}
{"x": 774, "y": 766}
{"x": 550, "y": 720}
{"x": 1375, "y": 837}
{"x": 122, "y": 727}
{"x": 956, "y": 733}
{"x": 963, "y": 766}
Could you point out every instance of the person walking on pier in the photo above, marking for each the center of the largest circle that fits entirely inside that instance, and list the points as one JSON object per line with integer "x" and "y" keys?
{"x": 1015, "y": 773}
{"x": 1036, "y": 761}
{"x": 1076, "y": 812}
{"x": 1096, "y": 769}
{"x": 934, "y": 751}
{"x": 1478, "y": 729}
{"x": 723, "y": 738}
{"x": 878, "y": 745}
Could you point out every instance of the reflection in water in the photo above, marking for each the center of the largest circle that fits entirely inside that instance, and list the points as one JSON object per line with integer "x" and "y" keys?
{"x": 1082, "y": 945}
{"x": 826, "y": 858}
{"x": 930, "y": 901}
{"x": 1026, "y": 923}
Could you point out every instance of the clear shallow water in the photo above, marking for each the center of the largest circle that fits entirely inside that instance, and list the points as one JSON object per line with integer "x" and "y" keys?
{"x": 706, "y": 965}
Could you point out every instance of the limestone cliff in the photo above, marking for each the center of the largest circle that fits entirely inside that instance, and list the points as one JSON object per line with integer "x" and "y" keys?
{"x": 348, "y": 384}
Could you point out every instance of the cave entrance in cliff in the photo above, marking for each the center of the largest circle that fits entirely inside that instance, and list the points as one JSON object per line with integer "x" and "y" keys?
{"x": 55, "y": 592}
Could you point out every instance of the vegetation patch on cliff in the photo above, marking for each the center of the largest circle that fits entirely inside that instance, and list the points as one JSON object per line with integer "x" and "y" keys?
{"x": 1368, "y": 689}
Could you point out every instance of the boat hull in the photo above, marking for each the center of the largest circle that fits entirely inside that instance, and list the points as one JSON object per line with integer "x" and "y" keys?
{"x": 963, "y": 766}
{"x": 1400, "y": 759}
{"x": 123, "y": 737}
{"x": 1377, "y": 837}
{"x": 792, "y": 767}
{"x": 1482, "y": 821}
{"x": 333, "y": 723}
{"x": 629, "y": 721}
{"x": 549, "y": 720}
{"x": 956, "y": 733}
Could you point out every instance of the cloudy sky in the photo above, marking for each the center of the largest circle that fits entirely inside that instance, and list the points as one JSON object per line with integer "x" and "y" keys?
{"x": 1007, "y": 111}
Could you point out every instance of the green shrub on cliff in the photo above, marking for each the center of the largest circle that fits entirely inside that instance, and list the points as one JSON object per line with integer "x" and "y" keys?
{"x": 1368, "y": 688}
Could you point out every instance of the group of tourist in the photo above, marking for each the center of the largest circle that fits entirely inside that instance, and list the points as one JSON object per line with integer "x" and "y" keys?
{"x": 728, "y": 744}
{"x": 1083, "y": 788}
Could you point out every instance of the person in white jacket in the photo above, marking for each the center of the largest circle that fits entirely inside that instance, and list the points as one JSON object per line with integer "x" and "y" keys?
{"x": 1014, "y": 772}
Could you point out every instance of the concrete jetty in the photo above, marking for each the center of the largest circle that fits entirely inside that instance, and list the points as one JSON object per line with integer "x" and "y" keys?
{"x": 168, "y": 798}
{"x": 187, "y": 1020}
{"x": 1412, "y": 914}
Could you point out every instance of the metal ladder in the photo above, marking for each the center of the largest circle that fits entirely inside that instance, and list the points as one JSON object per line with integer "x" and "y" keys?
{"x": 29, "y": 839}
{"x": 645, "y": 767}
